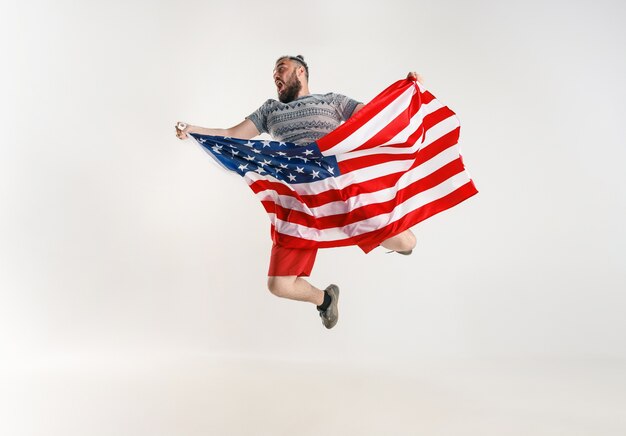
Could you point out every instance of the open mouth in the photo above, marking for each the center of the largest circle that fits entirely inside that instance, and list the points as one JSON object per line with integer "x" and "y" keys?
{"x": 280, "y": 86}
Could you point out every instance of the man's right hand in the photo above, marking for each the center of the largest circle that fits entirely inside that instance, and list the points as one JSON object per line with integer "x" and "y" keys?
{"x": 181, "y": 130}
{"x": 244, "y": 130}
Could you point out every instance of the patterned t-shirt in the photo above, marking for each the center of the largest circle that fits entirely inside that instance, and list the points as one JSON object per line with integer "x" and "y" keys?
{"x": 305, "y": 119}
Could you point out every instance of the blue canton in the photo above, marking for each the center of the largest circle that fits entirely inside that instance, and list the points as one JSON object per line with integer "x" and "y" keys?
{"x": 284, "y": 161}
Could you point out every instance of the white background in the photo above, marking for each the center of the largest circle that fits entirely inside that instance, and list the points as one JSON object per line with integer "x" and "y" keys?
{"x": 119, "y": 241}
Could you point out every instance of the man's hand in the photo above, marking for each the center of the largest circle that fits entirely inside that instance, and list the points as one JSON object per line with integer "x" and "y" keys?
{"x": 414, "y": 76}
{"x": 181, "y": 130}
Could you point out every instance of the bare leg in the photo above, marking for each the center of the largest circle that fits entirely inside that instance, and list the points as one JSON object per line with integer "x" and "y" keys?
{"x": 404, "y": 241}
{"x": 295, "y": 288}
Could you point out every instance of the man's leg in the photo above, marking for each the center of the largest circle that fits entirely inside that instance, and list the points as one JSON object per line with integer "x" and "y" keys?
{"x": 295, "y": 288}
{"x": 287, "y": 266}
{"x": 404, "y": 242}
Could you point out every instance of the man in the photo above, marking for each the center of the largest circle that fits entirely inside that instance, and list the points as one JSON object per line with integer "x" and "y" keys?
{"x": 300, "y": 117}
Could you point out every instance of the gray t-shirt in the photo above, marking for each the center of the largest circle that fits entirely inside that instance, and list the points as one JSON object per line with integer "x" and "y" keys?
{"x": 304, "y": 120}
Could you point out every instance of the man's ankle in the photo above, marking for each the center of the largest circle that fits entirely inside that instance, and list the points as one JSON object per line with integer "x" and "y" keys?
{"x": 327, "y": 300}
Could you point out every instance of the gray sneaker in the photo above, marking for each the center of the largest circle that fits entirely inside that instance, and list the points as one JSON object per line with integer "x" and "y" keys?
{"x": 331, "y": 314}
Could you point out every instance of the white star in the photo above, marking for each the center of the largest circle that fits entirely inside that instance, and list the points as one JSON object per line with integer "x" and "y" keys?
{"x": 243, "y": 167}
{"x": 256, "y": 151}
{"x": 283, "y": 166}
{"x": 308, "y": 152}
{"x": 202, "y": 140}
{"x": 278, "y": 170}
{"x": 249, "y": 144}
{"x": 331, "y": 170}
{"x": 228, "y": 137}
{"x": 304, "y": 159}
{"x": 260, "y": 170}
{"x": 234, "y": 152}
{"x": 281, "y": 153}
{"x": 216, "y": 148}
{"x": 265, "y": 162}
{"x": 248, "y": 157}
{"x": 281, "y": 144}
{"x": 266, "y": 143}
{"x": 291, "y": 177}
{"x": 299, "y": 170}
{"x": 315, "y": 174}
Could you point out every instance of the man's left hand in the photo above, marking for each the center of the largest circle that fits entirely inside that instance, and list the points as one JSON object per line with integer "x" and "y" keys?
{"x": 414, "y": 76}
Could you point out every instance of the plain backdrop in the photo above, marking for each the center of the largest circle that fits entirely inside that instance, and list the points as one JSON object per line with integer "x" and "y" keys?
{"x": 115, "y": 237}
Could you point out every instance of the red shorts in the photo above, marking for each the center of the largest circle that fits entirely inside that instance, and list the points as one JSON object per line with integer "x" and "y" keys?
{"x": 291, "y": 261}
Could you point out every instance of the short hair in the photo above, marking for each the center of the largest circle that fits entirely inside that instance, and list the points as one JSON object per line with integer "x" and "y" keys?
{"x": 299, "y": 59}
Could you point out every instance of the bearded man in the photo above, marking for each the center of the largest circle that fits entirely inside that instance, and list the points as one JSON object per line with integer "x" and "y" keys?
{"x": 300, "y": 117}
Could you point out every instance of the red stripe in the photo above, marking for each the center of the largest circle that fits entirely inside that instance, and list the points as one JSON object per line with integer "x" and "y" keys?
{"x": 361, "y": 162}
{"x": 427, "y": 97}
{"x": 437, "y": 116}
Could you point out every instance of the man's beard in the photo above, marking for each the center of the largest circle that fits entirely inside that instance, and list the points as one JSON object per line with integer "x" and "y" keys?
{"x": 292, "y": 88}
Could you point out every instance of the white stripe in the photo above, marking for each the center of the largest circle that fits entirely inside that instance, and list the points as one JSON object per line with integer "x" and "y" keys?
{"x": 374, "y": 223}
{"x": 375, "y": 125}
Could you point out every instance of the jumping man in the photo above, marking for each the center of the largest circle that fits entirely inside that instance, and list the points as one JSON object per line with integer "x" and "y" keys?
{"x": 300, "y": 117}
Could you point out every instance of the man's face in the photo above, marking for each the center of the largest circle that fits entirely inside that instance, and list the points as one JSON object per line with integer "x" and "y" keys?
{"x": 286, "y": 79}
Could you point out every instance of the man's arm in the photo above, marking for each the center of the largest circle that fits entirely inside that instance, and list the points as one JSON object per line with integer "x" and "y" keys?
{"x": 412, "y": 75}
{"x": 244, "y": 130}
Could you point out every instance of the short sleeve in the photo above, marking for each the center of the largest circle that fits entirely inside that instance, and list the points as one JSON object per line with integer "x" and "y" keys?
{"x": 259, "y": 116}
{"x": 344, "y": 105}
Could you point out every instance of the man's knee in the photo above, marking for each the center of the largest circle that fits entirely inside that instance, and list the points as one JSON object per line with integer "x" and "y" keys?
{"x": 404, "y": 241}
{"x": 410, "y": 240}
{"x": 280, "y": 285}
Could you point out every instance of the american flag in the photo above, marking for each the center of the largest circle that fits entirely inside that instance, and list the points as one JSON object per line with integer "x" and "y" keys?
{"x": 393, "y": 164}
